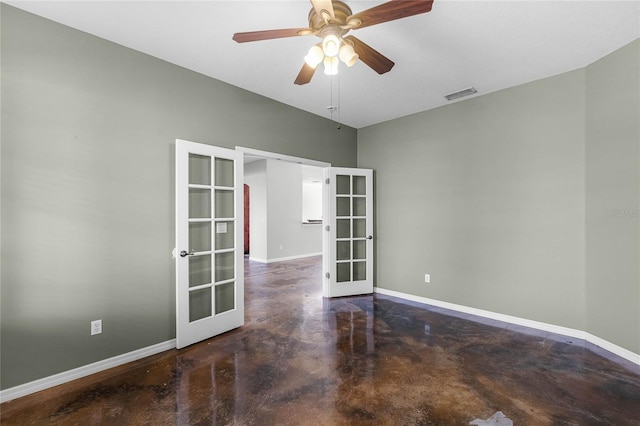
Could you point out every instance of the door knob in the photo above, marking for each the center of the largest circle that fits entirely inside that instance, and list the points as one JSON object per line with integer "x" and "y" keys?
{"x": 370, "y": 237}
{"x": 183, "y": 253}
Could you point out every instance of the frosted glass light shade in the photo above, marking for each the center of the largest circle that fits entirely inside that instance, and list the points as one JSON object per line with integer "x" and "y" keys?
{"x": 348, "y": 55}
{"x": 330, "y": 65}
{"x": 331, "y": 45}
{"x": 314, "y": 57}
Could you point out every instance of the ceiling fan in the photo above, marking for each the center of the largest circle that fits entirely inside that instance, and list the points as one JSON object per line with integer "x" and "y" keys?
{"x": 331, "y": 21}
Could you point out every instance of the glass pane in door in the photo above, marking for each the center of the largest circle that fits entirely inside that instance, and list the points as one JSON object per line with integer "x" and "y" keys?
{"x": 199, "y": 270}
{"x": 343, "y": 184}
{"x": 199, "y": 203}
{"x": 343, "y": 229}
{"x": 224, "y": 235}
{"x": 224, "y": 172}
{"x": 199, "y": 304}
{"x": 359, "y": 271}
{"x": 343, "y": 207}
{"x": 360, "y": 206}
{"x": 199, "y": 169}
{"x": 225, "y": 266}
{"x": 224, "y": 204}
{"x": 359, "y": 228}
{"x": 343, "y": 250}
{"x": 359, "y": 185}
{"x": 200, "y": 236}
{"x": 225, "y": 297}
{"x": 360, "y": 249}
{"x": 343, "y": 271}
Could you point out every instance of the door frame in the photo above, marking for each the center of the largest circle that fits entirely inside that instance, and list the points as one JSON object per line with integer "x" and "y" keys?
{"x": 275, "y": 156}
{"x": 269, "y": 155}
{"x": 325, "y": 196}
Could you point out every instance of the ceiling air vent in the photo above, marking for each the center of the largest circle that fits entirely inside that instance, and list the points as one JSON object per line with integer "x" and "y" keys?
{"x": 461, "y": 94}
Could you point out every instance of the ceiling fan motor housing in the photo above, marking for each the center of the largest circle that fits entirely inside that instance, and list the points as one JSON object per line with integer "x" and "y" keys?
{"x": 341, "y": 12}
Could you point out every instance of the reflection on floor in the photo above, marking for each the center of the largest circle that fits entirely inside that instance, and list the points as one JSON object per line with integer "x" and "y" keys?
{"x": 301, "y": 359}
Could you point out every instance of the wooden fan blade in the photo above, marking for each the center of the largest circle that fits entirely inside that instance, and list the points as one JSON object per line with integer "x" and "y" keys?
{"x": 374, "y": 59}
{"x": 271, "y": 34}
{"x": 305, "y": 75}
{"x": 390, "y": 11}
{"x": 320, "y": 5}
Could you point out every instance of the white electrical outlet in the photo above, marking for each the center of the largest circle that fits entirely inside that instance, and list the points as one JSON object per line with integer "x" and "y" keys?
{"x": 96, "y": 327}
{"x": 427, "y": 278}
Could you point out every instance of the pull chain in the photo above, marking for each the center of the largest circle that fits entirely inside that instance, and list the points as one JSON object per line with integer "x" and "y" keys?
{"x": 332, "y": 107}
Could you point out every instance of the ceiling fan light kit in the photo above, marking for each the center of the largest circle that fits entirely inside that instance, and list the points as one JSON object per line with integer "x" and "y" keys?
{"x": 331, "y": 21}
{"x": 348, "y": 55}
{"x": 315, "y": 56}
{"x": 331, "y": 45}
{"x": 330, "y": 65}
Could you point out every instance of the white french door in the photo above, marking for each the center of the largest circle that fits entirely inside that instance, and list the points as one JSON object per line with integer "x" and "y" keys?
{"x": 209, "y": 241}
{"x": 348, "y": 236}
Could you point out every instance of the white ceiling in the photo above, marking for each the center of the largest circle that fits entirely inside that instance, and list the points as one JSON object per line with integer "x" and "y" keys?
{"x": 490, "y": 45}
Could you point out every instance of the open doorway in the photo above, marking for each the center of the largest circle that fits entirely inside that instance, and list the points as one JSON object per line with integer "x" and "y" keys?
{"x": 346, "y": 242}
{"x": 285, "y": 207}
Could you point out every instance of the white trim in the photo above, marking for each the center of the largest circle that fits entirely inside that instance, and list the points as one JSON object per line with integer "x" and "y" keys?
{"x": 283, "y": 157}
{"x": 613, "y": 348}
{"x": 281, "y": 259}
{"x": 86, "y": 370}
{"x": 565, "y": 331}
{"x": 96, "y": 367}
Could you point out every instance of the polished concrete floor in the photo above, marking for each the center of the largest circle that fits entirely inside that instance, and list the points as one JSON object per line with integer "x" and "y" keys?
{"x": 371, "y": 360}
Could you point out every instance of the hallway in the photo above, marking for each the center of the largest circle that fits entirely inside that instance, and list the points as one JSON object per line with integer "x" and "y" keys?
{"x": 301, "y": 359}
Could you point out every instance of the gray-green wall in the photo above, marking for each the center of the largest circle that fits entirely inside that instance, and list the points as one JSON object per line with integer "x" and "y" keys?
{"x": 613, "y": 197}
{"x": 503, "y": 199}
{"x": 88, "y": 133}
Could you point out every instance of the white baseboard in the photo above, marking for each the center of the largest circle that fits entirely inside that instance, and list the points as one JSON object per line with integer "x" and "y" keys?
{"x": 565, "y": 331}
{"x": 281, "y": 259}
{"x": 86, "y": 370}
{"x": 613, "y": 348}
{"x": 96, "y": 367}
